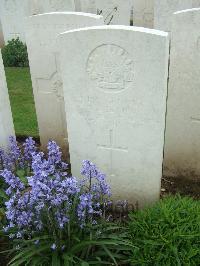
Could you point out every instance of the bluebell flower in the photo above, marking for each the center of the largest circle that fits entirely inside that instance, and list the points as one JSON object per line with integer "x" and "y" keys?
{"x": 12, "y": 181}
{"x": 36, "y": 242}
{"x": 11, "y": 236}
{"x": 53, "y": 246}
{"x": 50, "y": 194}
{"x": 19, "y": 235}
{"x": 29, "y": 149}
{"x": 54, "y": 153}
{"x": 89, "y": 169}
{"x": 15, "y": 154}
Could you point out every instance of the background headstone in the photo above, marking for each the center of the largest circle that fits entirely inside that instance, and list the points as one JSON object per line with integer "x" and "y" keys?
{"x": 143, "y": 13}
{"x": 43, "y": 52}
{"x": 182, "y": 149}
{"x": 88, "y": 6}
{"x": 6, "y": 123}
{"x": 164, "y": 9}
{"x": 12, "y": 14}
{"x": 115, "y": 12}
{"x": 2, "y": 43}
{"x": 36, "y": 7}
{"x": 115, "y": 99}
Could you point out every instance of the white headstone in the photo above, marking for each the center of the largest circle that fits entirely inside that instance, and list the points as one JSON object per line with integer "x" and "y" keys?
{"x": 143, "y": 13}
{"x": 2, "y": 43}
{"x": 164, "y": 9}
{"x": 43, "y": 51}
{"x": 12, "y": 13}
{"x": 88, "y": 6}
{"x": 36, "y": 7}
{"x": 115, "y": 12}
{"x": 6, "y": 123}
{"x": 115, "y": 98}
{"x": 182, "y": 149}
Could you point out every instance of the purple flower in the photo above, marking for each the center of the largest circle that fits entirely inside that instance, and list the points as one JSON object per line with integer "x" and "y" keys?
{"x": 53, "y": 246}
{"x": 85, "y": 207}
{"x": 15, "y": 152}
{"x": 54, "y": 154}
{"x": 2, "y": 157}
{"x": 29, "y": 149}
{"x": 13, "y": 181}
{"x": 49, "y": 196}
{"x": 89, "y": 169}
{"x": 5, "y": 160}
{"x": 62, "y": 219}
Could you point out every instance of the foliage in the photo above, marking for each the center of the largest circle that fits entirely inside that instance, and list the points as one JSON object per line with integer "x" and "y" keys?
{"x": 167, "y": 234}
{"x": 22, "y": 101}
{"x": 15, "y": 54}
{"x": 52, "y": 217}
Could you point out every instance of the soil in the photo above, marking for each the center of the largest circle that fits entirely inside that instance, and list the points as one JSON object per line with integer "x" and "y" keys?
{"x": 181, "y": 185}
{"x": 21, "y": 139}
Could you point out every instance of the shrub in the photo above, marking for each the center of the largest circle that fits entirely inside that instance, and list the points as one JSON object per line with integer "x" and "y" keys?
{"x": 54, "y": 218}
{"x": 167, "y": 234}
{"x": 15, "y": 54}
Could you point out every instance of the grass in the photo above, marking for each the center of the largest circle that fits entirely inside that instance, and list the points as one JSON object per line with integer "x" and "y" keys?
{"x": 167, "y": 234}
{"x": 22, "y": 101}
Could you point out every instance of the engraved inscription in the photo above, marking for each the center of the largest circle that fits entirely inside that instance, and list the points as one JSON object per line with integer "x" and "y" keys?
{"x": 57, "y": 86}
{"x": 51, "y": 85}
{"x": 110, "y": 68}
{"x": 111, "y": 148}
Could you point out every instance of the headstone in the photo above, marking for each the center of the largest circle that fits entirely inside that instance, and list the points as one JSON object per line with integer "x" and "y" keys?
{"x": 43, "y": 51}
{"x": 88, "y": 6}
{"x": 115, "y": 104}
{"x": 2, "y": 43}
{"x": 143, "y": 13}
{"x": 6, "y": 123}
{"x": 182, "y": 149}
{"x": 12, "y": 13}
{"x": 164, "y": 9}
{"x": 36, "y": 7}
{"x": 115, "y": 12}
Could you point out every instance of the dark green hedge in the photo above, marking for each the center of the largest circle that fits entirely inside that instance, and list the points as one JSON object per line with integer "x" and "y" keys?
{"x": 15, "y": 54}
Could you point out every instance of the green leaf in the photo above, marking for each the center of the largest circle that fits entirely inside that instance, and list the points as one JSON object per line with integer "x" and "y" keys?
{"x": 55, "y": 259}
{"x": 110, "y": 254}
{"x": 84, "y": 263}
{"x": 3, "y": 194}
{"x": 22, "y": 176}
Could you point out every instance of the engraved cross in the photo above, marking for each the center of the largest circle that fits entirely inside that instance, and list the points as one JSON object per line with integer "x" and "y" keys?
{"x": 111, "y": 148}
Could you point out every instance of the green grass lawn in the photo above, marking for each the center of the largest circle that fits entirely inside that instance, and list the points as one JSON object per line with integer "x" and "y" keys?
{"x": 22, "y": 101}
